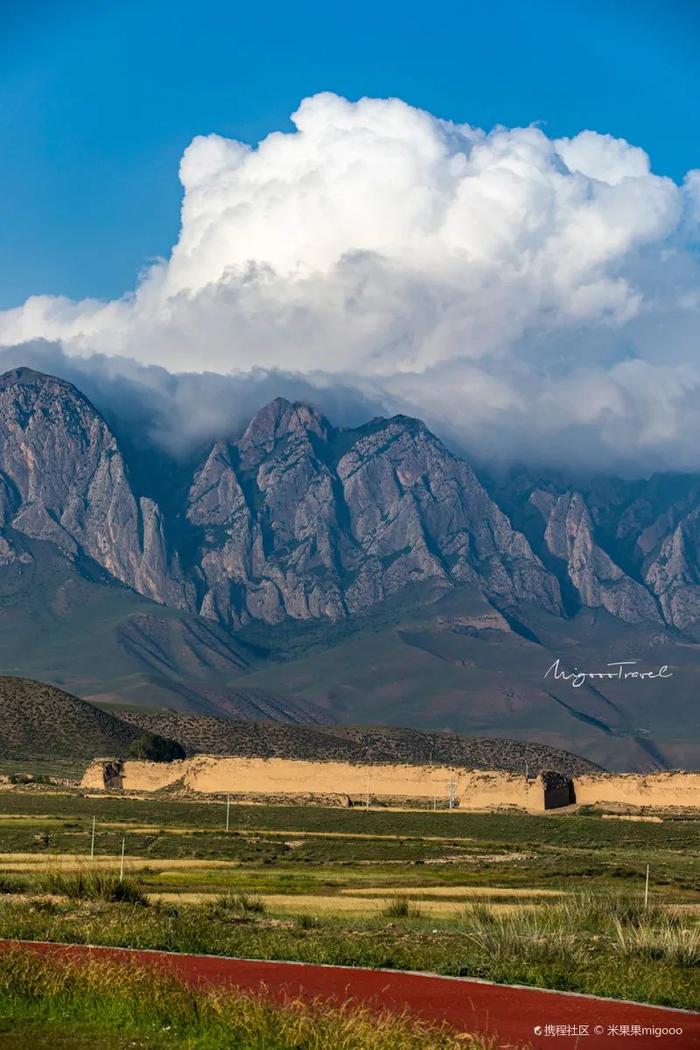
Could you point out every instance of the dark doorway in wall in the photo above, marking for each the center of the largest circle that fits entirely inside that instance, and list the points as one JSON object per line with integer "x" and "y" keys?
{"x": 558, "y": 791}
{"x": 114, "y": 775}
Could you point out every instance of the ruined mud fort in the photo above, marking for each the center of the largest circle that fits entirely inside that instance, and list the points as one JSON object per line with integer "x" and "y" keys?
{"x": 440, "y": 786}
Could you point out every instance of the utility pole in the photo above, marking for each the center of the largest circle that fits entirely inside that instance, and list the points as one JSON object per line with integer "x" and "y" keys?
{"x": 121, "y": 869}
{"x": 228, "y": 811}
{"x": 453, "y": 790}
{"x": 368, "y": 788}
{"x": 92, "y": 843}
{"x": 646, "y": 890}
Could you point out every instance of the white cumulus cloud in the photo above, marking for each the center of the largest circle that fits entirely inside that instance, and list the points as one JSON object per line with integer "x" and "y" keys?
{"x": 532, "y": 296}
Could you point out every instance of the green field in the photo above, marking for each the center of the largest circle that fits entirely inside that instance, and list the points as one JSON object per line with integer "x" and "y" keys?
{"x": 555, "y": 901}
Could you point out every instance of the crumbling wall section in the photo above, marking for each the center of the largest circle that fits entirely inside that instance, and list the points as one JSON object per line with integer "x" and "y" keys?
{"x": 639, "y": 790}
{"x": 269, "y": 777}
{"x": 390, "y": 784}
{"x": 104, "y": 774}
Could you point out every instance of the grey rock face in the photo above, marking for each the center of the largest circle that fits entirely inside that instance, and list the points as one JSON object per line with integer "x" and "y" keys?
{"x": 673, "y": 573}
{"x": 417, "y": 512}
{"x": 63, "y": 479}
{"x": 271, "y": 546}
{"x": 598, "y": 580}
{"x": 299, "y": 521}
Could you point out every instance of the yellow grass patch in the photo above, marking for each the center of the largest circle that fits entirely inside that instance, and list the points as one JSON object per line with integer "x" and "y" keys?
{"x": 76, "y": 861}
{"x": 453, "y": 891}
{"x": 313, "y": 904}
{"x": 353, "y": 835}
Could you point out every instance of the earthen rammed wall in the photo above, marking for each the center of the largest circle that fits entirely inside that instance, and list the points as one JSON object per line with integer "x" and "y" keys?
{"x": 470, "y": 789}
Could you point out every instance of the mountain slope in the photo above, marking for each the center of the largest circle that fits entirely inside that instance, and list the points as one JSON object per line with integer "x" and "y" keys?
{"x": 218, "y": 736}
{"x": 38, "y": 721}
{"x": 362, "y": 575}
{"x": 591, "y": 573}
{"x": 64, "y": 479}
{"x": 65, "y": 622}
{"x": 295, "y": 520}
{"x": 452, "y": 661}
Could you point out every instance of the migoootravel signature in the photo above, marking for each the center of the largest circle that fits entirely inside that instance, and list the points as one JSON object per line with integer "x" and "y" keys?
{"x": 619, "y": 670}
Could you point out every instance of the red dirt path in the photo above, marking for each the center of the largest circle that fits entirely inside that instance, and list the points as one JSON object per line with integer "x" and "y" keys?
{"x": 515, "y": 1015}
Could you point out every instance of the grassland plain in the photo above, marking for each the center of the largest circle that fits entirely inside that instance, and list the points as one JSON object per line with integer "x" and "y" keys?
{"x": 554, "y": 901}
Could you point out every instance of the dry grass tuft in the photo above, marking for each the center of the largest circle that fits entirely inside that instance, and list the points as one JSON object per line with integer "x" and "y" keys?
{"x": 402, "y": 908}
{"x": 94, "y": 885}
{"x": 121, "y": 999}
{"x": 235, "y": 905}
{"x": 668, "y": 943}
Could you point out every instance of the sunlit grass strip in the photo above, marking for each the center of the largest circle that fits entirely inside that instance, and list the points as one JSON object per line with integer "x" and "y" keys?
{"x": 599, "y": 944}
{"x": 131, "y": 1001}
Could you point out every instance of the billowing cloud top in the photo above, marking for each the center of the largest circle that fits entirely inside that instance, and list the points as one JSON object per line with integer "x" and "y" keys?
{"x": 535, "y": 297}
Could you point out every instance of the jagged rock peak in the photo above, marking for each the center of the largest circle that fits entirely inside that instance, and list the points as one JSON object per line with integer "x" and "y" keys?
{"x": 278, "y": 421}
{"x": 598, "y": 580}
{"x": 25, "y": 392}
{"x": 297, "y": 519}
{"x": 63, "y": 480}
{"x": 24, "y": 376}
{"x": 297, "y": 530}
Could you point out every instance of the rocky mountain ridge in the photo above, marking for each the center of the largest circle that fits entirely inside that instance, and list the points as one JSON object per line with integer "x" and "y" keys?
{"x": 63, "y": 479}
{"x": 295, "y": 520}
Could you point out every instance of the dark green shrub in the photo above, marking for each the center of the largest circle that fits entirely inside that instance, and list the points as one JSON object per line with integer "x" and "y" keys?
{"x": 235, "y": 905}
{"x": 401, "y": 908}
{"x": 13, "y": 884}
{"x": 154, "y": 748}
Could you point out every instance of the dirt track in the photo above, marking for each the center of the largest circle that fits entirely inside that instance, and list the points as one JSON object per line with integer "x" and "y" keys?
{"x": 514, "y": 1015}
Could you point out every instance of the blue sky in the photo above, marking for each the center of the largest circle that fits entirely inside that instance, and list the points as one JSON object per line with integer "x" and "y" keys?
{"x": 98, "y": 100}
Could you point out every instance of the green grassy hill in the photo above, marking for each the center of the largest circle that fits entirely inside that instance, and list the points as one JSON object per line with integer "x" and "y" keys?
{"x": 69, "y": 624}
